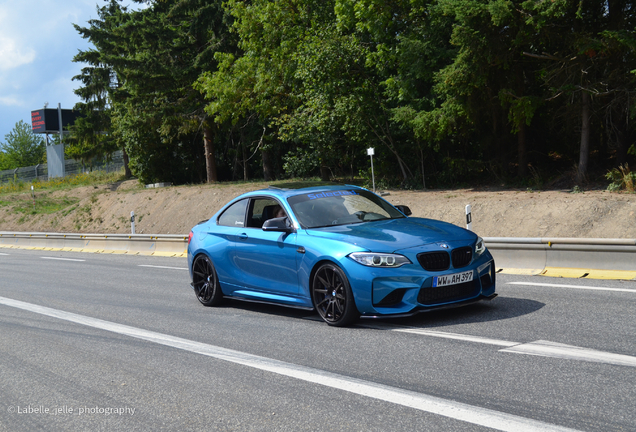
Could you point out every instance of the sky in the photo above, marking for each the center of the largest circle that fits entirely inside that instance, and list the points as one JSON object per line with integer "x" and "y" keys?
{"x": 37, "y": 46}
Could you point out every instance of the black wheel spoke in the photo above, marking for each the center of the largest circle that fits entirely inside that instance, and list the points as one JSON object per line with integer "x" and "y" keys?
{"x": 323, "y": 281}
{"x": 326, "y": 299}
{"x": 340, "y": 306}
{"x": 330, "y": 308}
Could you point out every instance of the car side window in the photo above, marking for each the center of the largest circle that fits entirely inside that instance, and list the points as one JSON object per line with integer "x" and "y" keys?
{"x": 263, "y": 209}
{"x": 234, "y": 215}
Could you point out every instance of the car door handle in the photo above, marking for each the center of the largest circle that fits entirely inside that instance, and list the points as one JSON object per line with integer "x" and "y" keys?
{"x": 242, "y": 236}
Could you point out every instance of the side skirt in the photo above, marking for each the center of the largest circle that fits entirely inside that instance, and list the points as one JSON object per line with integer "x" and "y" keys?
{"x": 249, "y": 300}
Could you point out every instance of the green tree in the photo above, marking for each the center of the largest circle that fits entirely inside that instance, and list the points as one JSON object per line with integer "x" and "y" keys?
{"x": 487, "y": 91}
{"x": 407, "y": 42}
{"x": 588, "y": 55}
{"x": 151, "y": 58}
{"x": 307, "y": 81}
{"x": 446, "y": 88}
{"x": 92, "y": 135}
{"x": 22, "y": 147}
{"x": 4, "y": 162}
{"x": 254, "y": 84}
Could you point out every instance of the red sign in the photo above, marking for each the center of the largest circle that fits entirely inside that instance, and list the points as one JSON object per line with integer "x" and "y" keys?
{"x": 38, "y": 124}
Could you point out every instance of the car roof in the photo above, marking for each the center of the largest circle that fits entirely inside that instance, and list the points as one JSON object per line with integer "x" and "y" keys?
{"x": 291, "y": 189}
{"x": 286, "y": 190}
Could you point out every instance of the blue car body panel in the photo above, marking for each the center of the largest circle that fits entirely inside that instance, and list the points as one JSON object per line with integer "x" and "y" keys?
{"x": 277, "y": 267}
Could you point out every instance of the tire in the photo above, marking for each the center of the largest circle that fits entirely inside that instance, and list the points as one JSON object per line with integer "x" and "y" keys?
{"x": 332, "y": 296}
{"x": 206, "y": 282}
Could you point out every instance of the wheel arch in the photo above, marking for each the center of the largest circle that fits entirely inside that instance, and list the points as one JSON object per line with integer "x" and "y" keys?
{"x": 196, "y": 255}
{"x": 314, "y": 269}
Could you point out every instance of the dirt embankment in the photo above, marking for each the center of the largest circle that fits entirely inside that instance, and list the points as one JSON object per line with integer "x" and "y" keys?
{"x": 174, "y": 210}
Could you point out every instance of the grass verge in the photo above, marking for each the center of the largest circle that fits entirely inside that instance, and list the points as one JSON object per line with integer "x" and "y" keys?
{"x": 90, "y": 179}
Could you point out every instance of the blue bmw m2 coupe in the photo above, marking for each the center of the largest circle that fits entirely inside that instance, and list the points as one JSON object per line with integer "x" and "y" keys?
{"x": 341, "y": 250}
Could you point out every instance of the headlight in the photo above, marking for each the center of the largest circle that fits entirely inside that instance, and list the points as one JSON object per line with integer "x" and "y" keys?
{"x": 480, "y": 247}
{"x": 372, "y": 259}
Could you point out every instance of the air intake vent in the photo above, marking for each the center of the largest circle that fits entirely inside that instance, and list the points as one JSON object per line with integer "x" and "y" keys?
{"x": 434, "y": 261}
{"x": 393, "y": 298}
{"x": 436, "y": 295}
{"x": 462, "y": 256}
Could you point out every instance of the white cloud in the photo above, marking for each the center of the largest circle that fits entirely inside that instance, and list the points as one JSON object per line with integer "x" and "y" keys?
{"x": 37, "y": 46}
{"x": 12, "y": 56}
{"x": 10, "y": 101}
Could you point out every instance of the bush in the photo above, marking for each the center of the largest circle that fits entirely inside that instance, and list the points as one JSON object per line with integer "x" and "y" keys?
{"x": 621, "y": 179}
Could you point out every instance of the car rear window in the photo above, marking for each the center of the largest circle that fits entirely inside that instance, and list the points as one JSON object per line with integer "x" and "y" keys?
{"x": 234, "y": 215}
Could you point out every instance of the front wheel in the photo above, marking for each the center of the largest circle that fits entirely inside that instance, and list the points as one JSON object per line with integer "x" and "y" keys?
{"x": 332, "y": 296}
{"x": 205, "y": 281}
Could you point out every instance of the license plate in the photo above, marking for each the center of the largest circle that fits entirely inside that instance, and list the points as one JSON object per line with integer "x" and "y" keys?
{"x": 453, "y": 279}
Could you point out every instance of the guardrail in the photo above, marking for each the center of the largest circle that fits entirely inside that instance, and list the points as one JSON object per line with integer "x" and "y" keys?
{"x": 567, "y": 257}
{"x": 134, "y": 244}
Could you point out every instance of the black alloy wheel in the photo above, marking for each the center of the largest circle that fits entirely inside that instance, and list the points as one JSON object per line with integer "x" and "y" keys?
{"x": 205, "y": 281}
{"x": 332, "y": 297}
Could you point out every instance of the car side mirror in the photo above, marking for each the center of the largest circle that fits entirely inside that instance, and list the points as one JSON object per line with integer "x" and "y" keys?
{"x": 404, "y": 209}
{"x": 280, "y": 224}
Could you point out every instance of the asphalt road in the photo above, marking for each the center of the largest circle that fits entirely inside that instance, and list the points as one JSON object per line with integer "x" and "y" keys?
{"x": 112, "y": 342}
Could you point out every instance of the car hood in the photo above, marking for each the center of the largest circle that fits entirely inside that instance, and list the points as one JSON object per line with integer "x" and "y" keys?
{"x": 395, "y": 234}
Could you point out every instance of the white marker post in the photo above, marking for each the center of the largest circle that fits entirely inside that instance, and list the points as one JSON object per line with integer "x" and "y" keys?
{"x": 371, "y": 152}
{"x": 132, "y": 222}
{"x": 33, "y": 196}
{"x": 469, "y": 218}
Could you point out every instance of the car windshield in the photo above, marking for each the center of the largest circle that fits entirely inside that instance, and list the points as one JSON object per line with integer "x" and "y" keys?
{"x": 340, "y": 207}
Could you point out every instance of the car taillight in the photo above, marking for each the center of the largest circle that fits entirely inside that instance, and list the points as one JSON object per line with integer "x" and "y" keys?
{"x": 190, "y": 237}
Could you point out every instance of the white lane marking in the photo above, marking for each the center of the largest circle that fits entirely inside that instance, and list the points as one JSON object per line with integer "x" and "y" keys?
{"x": 553, "y": 349}
{"x": 435, "y": 405}
{"x": 164, "y": 267}
{"x": 4, "y": 254}
{"x": 445, "y": 335}
{"x": 538, "y": 348}
{"x": 572, "y": 286}
{"x": 63, "y": 259}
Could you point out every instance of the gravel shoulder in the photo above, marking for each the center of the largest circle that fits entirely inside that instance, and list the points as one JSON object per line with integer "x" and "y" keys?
{"x": 174, "y": 210}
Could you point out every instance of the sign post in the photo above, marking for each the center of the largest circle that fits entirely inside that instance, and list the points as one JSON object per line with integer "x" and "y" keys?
{"x": 59, "y": 120}
{"x": 370, "y": 152}
{"x": 53, "y": 121}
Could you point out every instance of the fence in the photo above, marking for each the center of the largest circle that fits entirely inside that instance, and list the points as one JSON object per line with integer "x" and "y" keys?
{"x": 71, "y": 166}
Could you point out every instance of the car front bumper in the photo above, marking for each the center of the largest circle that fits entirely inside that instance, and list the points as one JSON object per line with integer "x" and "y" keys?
{"x": 408, "y": 291}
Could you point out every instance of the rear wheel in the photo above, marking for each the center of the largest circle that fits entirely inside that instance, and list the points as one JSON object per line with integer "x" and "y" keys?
{"x": 205, "y": 281}
{"x": 332, "y": 296}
